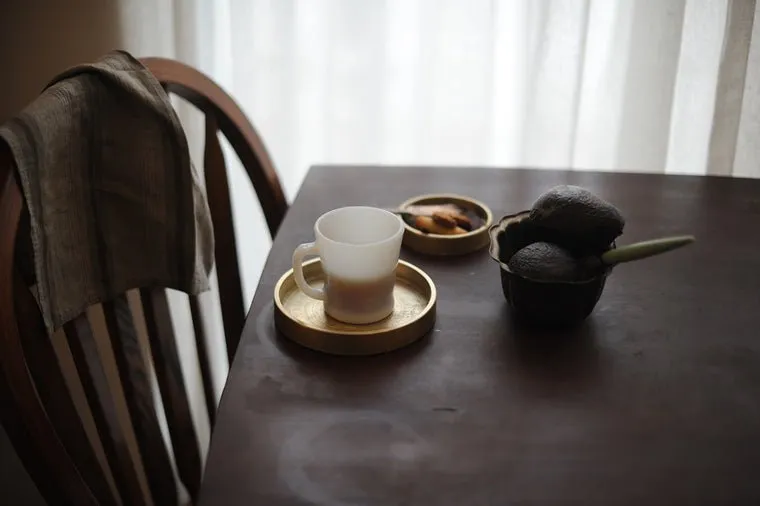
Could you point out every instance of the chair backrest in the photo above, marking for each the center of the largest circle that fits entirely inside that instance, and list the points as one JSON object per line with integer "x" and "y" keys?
{"x": 37, "y": 408}
{"x": 223, "y": 114}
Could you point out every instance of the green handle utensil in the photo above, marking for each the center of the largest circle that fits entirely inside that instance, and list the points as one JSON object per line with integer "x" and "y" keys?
{"x": 645, "y": 249}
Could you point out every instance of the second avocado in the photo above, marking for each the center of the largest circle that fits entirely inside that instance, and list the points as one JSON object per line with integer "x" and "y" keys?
{"x": 581, "y": 221}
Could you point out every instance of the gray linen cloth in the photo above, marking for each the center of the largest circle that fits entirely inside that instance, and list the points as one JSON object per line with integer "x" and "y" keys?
{"x": 113, "y": 200}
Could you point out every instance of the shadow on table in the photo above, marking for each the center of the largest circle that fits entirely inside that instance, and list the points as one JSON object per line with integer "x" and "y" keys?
{"x": 348, "y": 370}
{"x": 331, "y": 374}
{"x": 553, "y": 359}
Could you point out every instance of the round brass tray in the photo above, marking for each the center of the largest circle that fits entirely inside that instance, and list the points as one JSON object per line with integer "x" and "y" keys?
{"x": 303, "y": 320}
{"x": 444, "y": 245}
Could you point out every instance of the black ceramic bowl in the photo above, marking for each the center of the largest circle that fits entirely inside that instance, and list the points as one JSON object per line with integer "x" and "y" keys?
{"x": 551, "y": 304}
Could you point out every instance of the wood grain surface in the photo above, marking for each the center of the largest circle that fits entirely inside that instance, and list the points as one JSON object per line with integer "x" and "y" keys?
{"x": 654, "y": 400}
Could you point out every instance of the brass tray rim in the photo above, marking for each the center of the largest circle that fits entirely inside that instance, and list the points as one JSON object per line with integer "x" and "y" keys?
{"x": 478, "y": 231}
{"x": 425, "y": 311}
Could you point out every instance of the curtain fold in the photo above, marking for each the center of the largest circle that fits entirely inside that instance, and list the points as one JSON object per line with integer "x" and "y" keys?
{"x": 730, "y": 111}
{"x": 633, "y": 85}
{"x": 747, "y": 158}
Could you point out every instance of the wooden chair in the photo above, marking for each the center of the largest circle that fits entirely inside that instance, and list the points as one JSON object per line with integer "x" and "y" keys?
{"x": 38, "y": 411}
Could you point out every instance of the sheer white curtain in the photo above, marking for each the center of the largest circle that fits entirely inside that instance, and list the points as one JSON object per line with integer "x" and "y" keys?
{"x": 643, "y": 85}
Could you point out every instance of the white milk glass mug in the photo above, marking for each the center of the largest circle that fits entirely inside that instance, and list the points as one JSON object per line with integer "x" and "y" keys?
{"x": 359, "y": 249}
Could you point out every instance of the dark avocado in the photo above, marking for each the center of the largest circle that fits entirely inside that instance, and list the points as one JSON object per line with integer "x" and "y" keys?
{"x": 579, "y": 220}
{"x": 544, "y": 303}
{"x": 555, "y": 259}
{"x": 545, "y": 261}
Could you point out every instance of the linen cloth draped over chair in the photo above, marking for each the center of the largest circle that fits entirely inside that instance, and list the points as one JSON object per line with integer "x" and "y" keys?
{"x": 108, "y": 183}
{"x": 100, "y": 204}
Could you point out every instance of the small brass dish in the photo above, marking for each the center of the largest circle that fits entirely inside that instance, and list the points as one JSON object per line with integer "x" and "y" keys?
{"x": 445, "y": 245}
{"x": 303, "y": 319}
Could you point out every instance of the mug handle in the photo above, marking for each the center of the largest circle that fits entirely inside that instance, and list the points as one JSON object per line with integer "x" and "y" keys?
{"x": 299, "y": 254}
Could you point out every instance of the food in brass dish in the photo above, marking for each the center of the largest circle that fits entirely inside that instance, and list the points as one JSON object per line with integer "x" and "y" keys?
{"x": 444, "y": 224}
{"x": 555, "y": 257}
{"x": 440, "y": 219}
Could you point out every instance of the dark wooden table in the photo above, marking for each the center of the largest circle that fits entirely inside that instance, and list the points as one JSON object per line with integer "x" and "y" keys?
{"x": 655, "y": 400}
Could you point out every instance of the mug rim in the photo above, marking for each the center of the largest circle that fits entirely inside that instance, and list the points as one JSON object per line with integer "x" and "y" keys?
{"x": 320, "y": 235}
